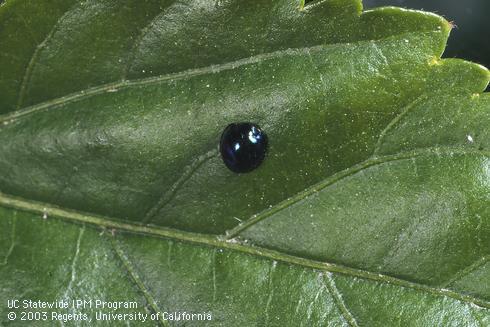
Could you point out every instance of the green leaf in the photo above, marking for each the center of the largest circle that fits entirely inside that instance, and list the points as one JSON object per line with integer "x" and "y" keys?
{"x": 371, "y": 208}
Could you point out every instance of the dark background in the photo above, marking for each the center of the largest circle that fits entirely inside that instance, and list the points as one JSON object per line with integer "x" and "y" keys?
{"x": 470, "y": 40}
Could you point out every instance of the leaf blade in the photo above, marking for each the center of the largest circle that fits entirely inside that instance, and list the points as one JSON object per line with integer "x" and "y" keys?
{"x": 367, "y": 88}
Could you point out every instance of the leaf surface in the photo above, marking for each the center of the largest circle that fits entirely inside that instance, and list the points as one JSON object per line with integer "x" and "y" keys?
{"x": 371, "y": 208}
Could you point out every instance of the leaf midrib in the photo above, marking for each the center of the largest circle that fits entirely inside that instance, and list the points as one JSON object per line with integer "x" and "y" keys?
{"x": 232, "y": 244}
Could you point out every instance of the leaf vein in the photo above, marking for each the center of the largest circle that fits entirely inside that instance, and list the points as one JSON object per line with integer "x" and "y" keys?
{"x": 187, "y": 173}
{"x": 466, "y": 271}
{"x": 74, "y": 262}
{"x": 12, "y": 240}
{"x": 142, "y": 33}
{"x": 136, "y": 279}
{"x": 332, "y": 180}
{"x": 189, "y": 237}
{"x": 26, "y": 79}
{"x": 339, "y": 302}
{"x": 395, "y": 121}
{"x": 270, "y": 291}
{"x": 213, "y": 267}
{"x": 216, "y": 68}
